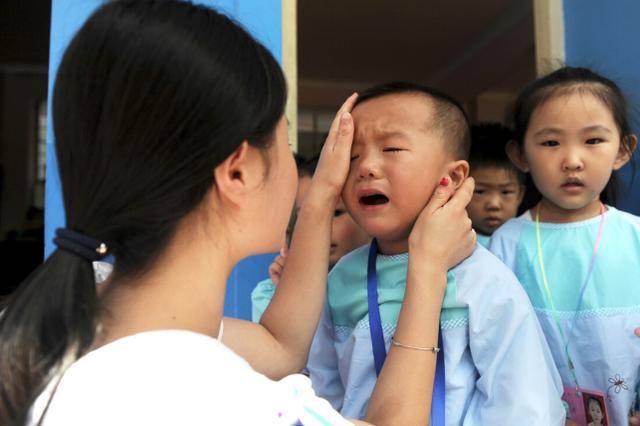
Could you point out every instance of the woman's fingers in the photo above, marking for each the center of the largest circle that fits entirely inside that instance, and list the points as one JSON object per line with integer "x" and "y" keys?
{"x": 333, "y": 165}
{"x": 441, "y": 195}
{"x": 347, "y": 106}
{"x": 462, "y": 196}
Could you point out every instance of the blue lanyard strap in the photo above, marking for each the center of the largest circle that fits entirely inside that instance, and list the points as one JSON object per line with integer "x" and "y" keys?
{"x": 375, "y": 325}
{"x": 378, "y": 344}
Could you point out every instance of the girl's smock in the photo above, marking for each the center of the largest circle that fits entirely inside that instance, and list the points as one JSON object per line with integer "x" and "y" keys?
{"x": 600, "y": 332}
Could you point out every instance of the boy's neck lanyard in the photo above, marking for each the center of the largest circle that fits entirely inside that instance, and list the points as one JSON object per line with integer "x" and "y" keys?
{"x": 378, "y": 344}
{"x": 547, "y": 289}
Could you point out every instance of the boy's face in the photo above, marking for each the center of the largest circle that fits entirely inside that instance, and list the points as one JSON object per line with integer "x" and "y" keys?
{"x": 397, "y": 160}
{"x": 495, "y": 199}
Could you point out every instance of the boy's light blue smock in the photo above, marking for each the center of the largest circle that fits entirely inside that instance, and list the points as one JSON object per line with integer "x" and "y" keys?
{"x": 498, "y": 368}
{"x": 483, "y": 240}
{"x": 602, "y": 343}
{"x": 260, "y": 298}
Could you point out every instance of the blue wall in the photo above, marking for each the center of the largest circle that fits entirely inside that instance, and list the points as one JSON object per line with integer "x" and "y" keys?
{"x": 263, "y": 18}
{"x": 605, "y": 36}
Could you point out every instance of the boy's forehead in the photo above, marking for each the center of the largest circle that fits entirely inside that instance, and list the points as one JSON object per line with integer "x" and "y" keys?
{"x": 394, "y": 114}
{"x": 494, "y": 174}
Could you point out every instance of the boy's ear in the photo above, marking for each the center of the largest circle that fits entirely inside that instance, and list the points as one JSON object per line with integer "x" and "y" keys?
{"x": 516, "y": 156}
{"x": 457, "y": 171}
{"x": 627, "y": 147}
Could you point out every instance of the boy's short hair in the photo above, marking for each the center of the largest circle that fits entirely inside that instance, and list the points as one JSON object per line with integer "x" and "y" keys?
{"x": 449, "y": 116}
{"x": 488, "y": 147}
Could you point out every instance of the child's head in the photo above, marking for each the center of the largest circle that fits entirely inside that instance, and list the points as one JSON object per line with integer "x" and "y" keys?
{"x": 306, "y": 168}
{"x": 346, "y": 235}
{"x": 571, "y": 132}
{"x": 407, "y": 138}
{"x": 499, "y": 184}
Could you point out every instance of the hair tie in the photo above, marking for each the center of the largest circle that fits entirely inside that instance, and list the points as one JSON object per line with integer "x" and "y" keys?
{"x": 82, "y": 245}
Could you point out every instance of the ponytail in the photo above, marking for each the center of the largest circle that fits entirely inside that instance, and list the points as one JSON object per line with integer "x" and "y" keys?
{"x": 51, "y": 316}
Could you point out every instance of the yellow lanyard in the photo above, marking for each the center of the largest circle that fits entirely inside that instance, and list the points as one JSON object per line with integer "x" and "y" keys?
{"x": 547, "y": 289}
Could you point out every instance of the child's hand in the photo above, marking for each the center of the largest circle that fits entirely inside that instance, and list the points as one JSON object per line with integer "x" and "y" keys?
{"x": 443, "y": 231}
{"x": 333, "y": 165}
{"x": 275, "y": 269}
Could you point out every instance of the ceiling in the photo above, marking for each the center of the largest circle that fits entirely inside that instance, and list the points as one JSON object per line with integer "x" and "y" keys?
{"x": 24, "y": 32}
{"x": 464, "y": 47}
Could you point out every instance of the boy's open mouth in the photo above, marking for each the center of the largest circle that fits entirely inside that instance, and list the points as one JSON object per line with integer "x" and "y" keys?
{"x": 373, "y": 199}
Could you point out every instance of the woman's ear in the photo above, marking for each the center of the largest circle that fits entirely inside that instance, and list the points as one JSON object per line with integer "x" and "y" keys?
{"x": 232, "y": 176}
{"x": 516, "y": 155}
{"x": 457, "y": 172}
{"x": 627, "y": 147}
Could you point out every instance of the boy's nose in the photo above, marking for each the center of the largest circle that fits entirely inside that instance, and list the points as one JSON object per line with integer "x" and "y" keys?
{"x": 493, "y": 203}
{"x": 368, "y": 168}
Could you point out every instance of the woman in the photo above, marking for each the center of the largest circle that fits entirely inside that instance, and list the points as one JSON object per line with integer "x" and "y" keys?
{"x": 173, "y": 158}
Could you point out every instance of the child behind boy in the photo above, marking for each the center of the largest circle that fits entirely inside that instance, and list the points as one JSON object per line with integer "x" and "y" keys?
{"x": 575, "y": 254}
{"x": 498, "y": 369}
{"x": 499, "y": 184}
{"x": 346, "y": 235}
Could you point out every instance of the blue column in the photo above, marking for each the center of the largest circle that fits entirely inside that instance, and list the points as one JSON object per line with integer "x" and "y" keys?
{"x": 603, "y": 36}
{"x": 263, "y": 18}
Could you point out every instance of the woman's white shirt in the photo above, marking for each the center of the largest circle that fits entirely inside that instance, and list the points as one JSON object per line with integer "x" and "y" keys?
{"x": 174, "y": 377}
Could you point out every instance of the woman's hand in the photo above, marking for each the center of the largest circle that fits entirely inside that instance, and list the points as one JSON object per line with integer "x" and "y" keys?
{"x": 443, "y": 232}
{"x": 333, "y": 165}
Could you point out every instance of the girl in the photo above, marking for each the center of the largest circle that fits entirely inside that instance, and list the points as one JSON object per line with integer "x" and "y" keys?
{"x": 577, "y": 256}
{"x": 173, "y": 154}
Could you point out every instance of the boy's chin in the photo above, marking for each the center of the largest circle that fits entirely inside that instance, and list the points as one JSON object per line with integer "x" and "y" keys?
{"x": 390, "y": 234}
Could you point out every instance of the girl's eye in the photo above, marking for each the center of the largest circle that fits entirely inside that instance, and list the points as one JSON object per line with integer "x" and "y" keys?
{"x": 550, "y": 143}
{"x": 594, "y": 141}
{"x": 508, "y": 192}
{"x": 392, "y": 149}
{"x": 338, "y": 212}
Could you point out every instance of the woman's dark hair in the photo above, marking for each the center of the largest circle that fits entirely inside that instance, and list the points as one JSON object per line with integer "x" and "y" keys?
{"x": 150, "y": 96}
{"x": 564, "y": 81}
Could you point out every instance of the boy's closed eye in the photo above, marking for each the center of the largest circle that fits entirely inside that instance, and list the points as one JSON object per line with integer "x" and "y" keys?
{"x": 338, "y": 212}
{"x": 392, "y": 149}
